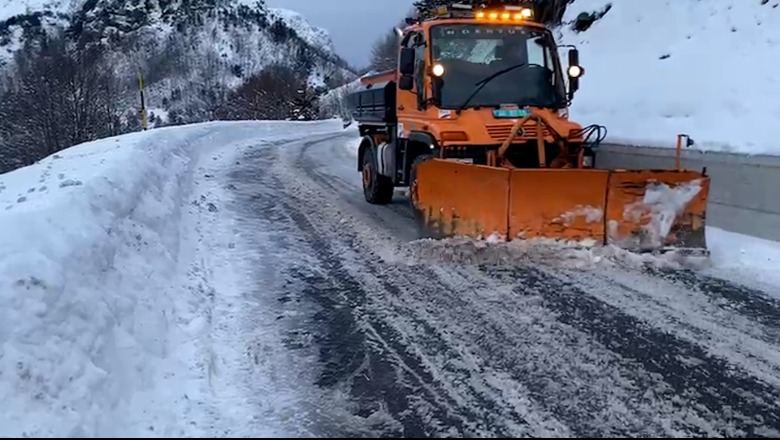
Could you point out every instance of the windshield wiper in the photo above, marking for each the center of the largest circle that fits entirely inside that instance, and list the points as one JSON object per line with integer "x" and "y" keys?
{"x": 483, "y": 82}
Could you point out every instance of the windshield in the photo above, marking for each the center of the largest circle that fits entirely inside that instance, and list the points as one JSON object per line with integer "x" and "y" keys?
{"x": 473, "y": 52}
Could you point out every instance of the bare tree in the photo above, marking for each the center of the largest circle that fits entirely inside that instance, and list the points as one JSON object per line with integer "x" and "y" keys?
{"x": 276, "y": 93}
{"x": 58, "y": 96}
{"x": 384, "y": 53}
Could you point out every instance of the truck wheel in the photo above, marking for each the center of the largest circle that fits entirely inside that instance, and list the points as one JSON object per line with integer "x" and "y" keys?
{"x": 413, "y": 177}
{"x": 377, "y": 188}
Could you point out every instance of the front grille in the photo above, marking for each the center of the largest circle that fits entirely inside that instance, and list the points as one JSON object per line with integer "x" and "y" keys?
{"x": 502, "y": 131}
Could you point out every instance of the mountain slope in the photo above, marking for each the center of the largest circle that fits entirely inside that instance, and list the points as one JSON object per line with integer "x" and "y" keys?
{"x": 188, "y": 49}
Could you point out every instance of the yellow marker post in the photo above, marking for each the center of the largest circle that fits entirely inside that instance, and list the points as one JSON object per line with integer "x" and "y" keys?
{"x": 144, "y": 124}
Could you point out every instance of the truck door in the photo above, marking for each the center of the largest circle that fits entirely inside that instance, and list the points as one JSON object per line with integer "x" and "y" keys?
{"x": 410, "y": 102}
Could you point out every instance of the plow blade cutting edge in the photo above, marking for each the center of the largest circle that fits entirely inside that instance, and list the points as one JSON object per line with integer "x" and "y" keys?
{"x": 635, "y": 210}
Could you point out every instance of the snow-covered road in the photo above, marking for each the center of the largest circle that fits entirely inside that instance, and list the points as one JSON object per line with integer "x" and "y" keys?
{"x": 287, "y": 305}
{"x": 539, "y": 347}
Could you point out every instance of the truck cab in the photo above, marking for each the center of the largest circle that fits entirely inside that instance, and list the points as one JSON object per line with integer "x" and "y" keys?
{"x": 465, "y": 77}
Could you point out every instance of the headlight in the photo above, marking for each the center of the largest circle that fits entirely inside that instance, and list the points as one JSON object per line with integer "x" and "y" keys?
{"x": 438, "y": 70}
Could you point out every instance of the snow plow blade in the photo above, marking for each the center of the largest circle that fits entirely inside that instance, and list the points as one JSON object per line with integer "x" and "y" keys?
{"x": 456, "y": 199}
{"x": 560, "y": 204}
{"x": 640, "y": 211}
{"x": 657, "y": 210}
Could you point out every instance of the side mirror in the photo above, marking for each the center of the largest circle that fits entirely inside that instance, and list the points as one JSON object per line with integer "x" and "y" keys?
{"x": 406, "y": 82}
{"x": 406, "y": 61}
{"x": 574, "y": 57}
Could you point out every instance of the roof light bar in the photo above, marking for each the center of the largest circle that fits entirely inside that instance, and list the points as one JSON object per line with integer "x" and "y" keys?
{"x": 483, "y": 12}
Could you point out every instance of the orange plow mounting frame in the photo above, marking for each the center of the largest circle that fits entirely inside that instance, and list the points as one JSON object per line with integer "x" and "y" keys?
{"x": 635, "y": 210}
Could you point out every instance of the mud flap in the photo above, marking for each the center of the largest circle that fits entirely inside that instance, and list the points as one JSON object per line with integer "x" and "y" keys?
{"x": 559, "y": 204}
{"x": 657, "y": 210}
{"x": 456, "y": 199}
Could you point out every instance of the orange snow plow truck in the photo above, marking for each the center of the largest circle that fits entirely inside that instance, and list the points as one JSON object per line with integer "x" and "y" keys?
{"x": 474, "y": 121}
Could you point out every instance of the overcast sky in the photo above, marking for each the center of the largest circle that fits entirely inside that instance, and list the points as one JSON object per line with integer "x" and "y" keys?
{"x": 353, "y": 24}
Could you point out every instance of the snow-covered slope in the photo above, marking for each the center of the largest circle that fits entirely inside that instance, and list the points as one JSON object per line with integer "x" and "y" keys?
{"x": 189, "y": 50}
{"x": 333, "y": 102}
{"x": 316, "y": 36}
{"x": 656, "y": 68}
{"x": 105, "y": 327}
{"x": 10, "y": 8}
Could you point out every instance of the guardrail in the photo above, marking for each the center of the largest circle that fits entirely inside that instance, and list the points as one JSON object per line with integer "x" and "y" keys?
{"x": 744, "y": 192}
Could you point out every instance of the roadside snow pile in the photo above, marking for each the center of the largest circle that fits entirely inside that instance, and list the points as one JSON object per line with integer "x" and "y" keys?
{"x": 585, "y": 255}
{"x": 353, "y": 145}
{"x": 95, "y": 333}
{"x": 738, "y": 255}
{"x": 88, "y": 235}
{"x": 656, "y": 68}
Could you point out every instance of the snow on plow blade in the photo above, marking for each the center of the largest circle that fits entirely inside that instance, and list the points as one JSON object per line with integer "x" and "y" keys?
{"x": 651, "y": 210}
{"x": 635, "y": 210}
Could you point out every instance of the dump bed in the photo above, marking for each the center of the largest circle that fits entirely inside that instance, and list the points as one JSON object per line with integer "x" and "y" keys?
{"x": 374, "y": 103}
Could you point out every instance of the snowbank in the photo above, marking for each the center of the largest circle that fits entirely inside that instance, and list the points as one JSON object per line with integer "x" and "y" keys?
{"x": 743, "y": 255}
{"x": 96, "y": 336}
{"x": 353, "y": 145}
{"x": 656, "y": 68}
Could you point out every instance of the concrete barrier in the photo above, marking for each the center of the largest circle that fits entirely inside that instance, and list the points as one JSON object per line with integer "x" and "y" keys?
{"x": 744, "y": 193}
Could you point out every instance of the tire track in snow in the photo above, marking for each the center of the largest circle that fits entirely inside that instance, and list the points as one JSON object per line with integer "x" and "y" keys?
{"x": 707, "y": 423}
{"x": 364, "y": 350}
{"x": 443, "y": 359}
{"x": 748, "y": 301}
{"x": 490, "y": 351}
{"x": 505, "y": 359}
{"x": 731, "y": 401}
{"x": 400, "y": 223}
{"x": 668, "y": 305}
{"x": 359, "y": 351}
{"x": 549, "y": 374}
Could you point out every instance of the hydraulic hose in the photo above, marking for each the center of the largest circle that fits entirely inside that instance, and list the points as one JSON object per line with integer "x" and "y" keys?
{"x": 593, "y": 135}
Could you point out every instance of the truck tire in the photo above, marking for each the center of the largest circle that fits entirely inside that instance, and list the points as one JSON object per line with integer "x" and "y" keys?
{"x": 413, "y": 177}
{"x": 377, "y": 188}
